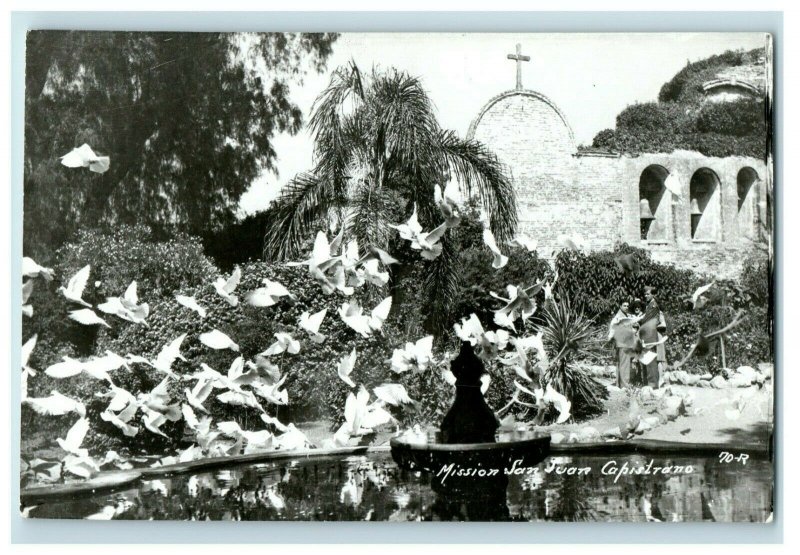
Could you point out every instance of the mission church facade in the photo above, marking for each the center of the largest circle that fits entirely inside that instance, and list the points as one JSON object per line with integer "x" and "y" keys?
{"x": 694, "y": 211}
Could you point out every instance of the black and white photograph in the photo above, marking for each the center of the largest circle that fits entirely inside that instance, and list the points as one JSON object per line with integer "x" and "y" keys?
{"x": 404, "y": 277}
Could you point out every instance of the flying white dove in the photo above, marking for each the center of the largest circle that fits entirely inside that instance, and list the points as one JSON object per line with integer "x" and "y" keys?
{"x": 267, "y": 295}
{"x": 215, "y": 339}
{"x": 427, "y": 243}
{"x": 27, "y": 289}
{"x": 575, "y": 242}
{"x": 55, "y": 405}
{"x": 322, "y": 260}
{"x": 75, "y": 286}
{"x": 199, "y": 393}
{"x": 225, "y": 288}
{"x": 84, "y": 157}
{"x": 27, "y": 349}
{"x": 127, "y": 307}
{"x": 87, "y": 317}
{"x": 284, "y": 343}
{"x": 524, "y": 242}
{"x": 499, "y": 259}
{"x": 30, "y": 269}
{"x": 70, "y": 367}
{"x": 345, "y": 368}
{"x": 166, "y": 357}
{"x": 697, "y": 299}
{"x": 353, "y": 315}
{"x": 393, "y": 394}
{"x": 191, "y": 304}
{"x": 447, "y": 203}
{"x": 414, "y": 356}
{"x": 72, "y": 443}
{"x": 311, "y": 324}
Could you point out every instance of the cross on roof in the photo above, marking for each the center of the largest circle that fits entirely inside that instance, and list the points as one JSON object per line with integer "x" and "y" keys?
{"x": 519, "y": 58}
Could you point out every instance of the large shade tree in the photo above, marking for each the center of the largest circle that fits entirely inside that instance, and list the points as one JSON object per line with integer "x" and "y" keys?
{"x": 187, "y": 119}
{"x": 379, "y": 151}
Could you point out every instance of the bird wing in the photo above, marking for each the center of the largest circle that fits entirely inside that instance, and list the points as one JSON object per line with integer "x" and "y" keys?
{"x": 170, "y": 352}
{"x": 27, "y": 349}
{"x": 27, "y": 289}
{"x": 436, "y": 234}
{"x": 131, "y": 295}
{"x": 233, "y": 281}
{"x": 66, "y": 369}
{"x": 346, "y": 365}
{"x": 215, "y": 339}
{"x": 76, "y": 433}
{"x": 313, "y": 322}
{"x": 78, "y": 157}
{"x": 380, "y": 313}
{"x": 191, "y": 303}
{"x": 259, "y": 298}
{"x": 701, "y": 290}
{"x": 77, "y": 283}
{"x": 393, "y": 394}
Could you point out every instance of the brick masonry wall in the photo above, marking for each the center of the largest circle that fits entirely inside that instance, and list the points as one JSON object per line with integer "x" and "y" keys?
{"x": 597, "y": 196}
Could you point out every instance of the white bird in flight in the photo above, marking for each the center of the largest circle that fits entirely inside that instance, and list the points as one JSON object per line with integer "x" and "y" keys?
{"x": 284, "y": 343}
{"x": 353, "y": 315}
{"x": 499, "y": 259}
{"x": 55, "y": 405}
{"x": 393, "y": 394}
{"x": 87, "y": 317}
{"x": 215, "y": 339}
{"x": 166, "y": 357}
{"x": 268, "y": 295}
{"x": 345, "y": 367}
{"x": 524, "y": 242}
{"x": 447, "y": 202}
{"x": 127, "y": 307}
{"x": 84, "y": 157}
{"x": 311, "y": 323}
{"x": 427, "y": 243}
{"x": 413, "y": 356}
{"x": 75, "y": 286}
{"x": 27, "y": 289}
{"x": 30, "y": 269}
{"x": 225, "y": 288}
{"x": 191, "y": 304}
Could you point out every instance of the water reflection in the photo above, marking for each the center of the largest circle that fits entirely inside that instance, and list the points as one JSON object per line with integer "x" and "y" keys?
{"x": 374, "y": 488}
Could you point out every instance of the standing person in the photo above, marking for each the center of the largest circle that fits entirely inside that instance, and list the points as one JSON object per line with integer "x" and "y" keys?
{"x": 653, "y": 326}
{"x": 622, "y": 330}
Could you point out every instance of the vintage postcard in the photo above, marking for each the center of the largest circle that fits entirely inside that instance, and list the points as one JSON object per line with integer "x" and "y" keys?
{"x": 398, "y": 277}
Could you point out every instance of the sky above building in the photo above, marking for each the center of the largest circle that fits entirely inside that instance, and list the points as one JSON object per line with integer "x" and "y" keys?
{"x": 591, "y": 77}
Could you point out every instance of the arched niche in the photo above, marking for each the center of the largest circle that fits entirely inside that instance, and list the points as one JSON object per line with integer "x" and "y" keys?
{"x": 654, "y": 205}
{"x": 747, "y": 193}
{"x": 704, "y": 205}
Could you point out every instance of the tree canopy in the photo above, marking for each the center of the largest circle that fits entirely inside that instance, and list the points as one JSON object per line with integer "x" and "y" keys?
{"x": 187, "y": 119}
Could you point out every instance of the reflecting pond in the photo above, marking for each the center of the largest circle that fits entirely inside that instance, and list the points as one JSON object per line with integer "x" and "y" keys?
{"x": 374, "y": 488}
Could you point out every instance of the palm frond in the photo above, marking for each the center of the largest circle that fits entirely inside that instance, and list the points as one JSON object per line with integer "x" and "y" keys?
{"x": 480, "y": 171}
{"x": 440, "y": 288}
{"x": 303, "y": 203}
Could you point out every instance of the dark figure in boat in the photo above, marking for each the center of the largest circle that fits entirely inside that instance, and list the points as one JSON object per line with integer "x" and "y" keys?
{"x": 469, "y": 420}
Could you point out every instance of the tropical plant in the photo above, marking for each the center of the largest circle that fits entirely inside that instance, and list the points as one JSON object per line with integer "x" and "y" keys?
{"x": 570, "y": 336}
{"x": 379, "y": 154}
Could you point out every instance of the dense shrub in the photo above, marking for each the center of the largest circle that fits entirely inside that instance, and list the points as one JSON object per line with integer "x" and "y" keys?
{"x": 747, "y": 344}
{"x": 738, "y": 118}
{"x": 594, "y": 283}
{"x": 686, "y": 85}
{"x": 116, "y": 257}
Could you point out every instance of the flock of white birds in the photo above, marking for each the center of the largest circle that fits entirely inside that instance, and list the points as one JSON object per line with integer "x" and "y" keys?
{"x": 249, "y": 383}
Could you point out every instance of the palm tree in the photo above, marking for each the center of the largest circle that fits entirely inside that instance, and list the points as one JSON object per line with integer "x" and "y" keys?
{"x": 378, "y": 152}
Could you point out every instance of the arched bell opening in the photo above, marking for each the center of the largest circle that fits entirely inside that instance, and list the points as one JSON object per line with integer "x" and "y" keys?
{"x": 654, "y": 209}
{"x": 705, "y": 207}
